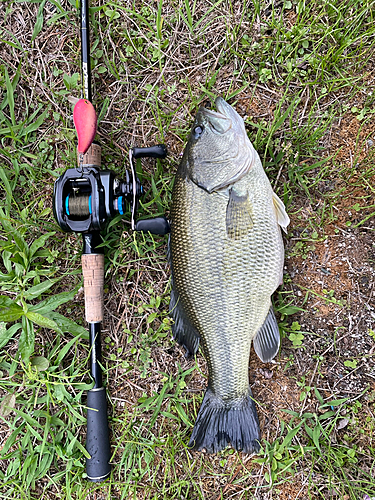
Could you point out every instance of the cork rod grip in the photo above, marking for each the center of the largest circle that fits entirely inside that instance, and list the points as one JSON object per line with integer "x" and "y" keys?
{"x": 93, "y": 284}
{"x": 92, "y": 157}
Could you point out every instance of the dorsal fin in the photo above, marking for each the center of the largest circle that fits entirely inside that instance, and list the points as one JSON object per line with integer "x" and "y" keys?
{"x": 281, "y": 215}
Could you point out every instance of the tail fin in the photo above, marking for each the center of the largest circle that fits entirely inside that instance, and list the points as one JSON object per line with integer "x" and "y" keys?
{"x": 219, "y": 424}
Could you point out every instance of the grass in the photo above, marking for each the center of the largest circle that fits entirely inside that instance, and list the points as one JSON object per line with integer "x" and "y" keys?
{"x": 298, "y": 72}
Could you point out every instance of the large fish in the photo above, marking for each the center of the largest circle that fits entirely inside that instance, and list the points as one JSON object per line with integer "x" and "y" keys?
{"x": 226, "y": 253}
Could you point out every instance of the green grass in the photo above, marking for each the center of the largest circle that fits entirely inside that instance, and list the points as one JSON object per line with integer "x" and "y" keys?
{"x": 295, "y": 70}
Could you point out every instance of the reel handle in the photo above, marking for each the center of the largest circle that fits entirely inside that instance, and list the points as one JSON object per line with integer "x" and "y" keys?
{"x": 158, "y": 151}
{"x": 154, "y": 225}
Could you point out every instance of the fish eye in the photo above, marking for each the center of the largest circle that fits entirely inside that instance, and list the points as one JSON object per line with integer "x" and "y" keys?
{"x": 198, "y": 130}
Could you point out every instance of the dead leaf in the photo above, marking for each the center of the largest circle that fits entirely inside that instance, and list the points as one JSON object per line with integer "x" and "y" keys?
{"x": 342, "y": 423}
{"x": 7, "y": 405}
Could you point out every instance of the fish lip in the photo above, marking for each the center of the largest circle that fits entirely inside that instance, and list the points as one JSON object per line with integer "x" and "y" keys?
{"x": 222, "y": 107}
{"x": 211, "y": 113}
{"x": 225, "y": 118}
{"x": 230, "y": 113}
{"x": 219, "y": 123}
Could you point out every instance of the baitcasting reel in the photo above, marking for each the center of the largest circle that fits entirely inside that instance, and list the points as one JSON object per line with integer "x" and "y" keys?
{"x": 86, "y": 198}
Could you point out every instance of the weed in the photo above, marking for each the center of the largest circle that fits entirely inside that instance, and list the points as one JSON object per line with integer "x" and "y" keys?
{"x": 296, "y": 337}
{"x": 351, "y": 363}
{"x": 23, "y": 277}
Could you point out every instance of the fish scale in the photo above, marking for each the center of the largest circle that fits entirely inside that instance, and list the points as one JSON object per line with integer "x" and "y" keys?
{"x": 223, "y": 279}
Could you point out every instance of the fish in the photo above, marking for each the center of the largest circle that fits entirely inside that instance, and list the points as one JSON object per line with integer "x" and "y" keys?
{"x": 226, "y": 256}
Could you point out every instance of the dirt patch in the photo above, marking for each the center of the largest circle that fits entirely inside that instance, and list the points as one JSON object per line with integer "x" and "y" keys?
{"x": 351, "y": 139}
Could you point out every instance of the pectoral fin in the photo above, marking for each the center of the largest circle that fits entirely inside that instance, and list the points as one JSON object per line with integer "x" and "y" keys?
{"x": 267, "y": 339}
{"x": 281, "y": 215}
{"x": 239, "y": 219}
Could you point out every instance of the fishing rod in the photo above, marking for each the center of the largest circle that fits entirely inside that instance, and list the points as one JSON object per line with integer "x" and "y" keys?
{"x": 85, "y": 199}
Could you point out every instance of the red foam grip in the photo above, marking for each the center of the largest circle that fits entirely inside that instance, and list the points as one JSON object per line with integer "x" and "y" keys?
{"x": 85, "y": 121}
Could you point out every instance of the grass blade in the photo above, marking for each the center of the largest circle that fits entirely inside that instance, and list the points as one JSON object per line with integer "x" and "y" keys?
{"x": 39, "y": 21}
{"x": 10, "y": 97}
{"x": 27, "y": 339}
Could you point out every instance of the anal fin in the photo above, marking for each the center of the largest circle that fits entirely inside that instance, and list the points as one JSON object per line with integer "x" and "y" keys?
{"x": 267, "y": 339}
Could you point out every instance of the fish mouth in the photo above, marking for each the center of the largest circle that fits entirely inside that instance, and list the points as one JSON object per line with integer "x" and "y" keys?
{"x": 223, "y": 119}
{"x": 223, "y": 107}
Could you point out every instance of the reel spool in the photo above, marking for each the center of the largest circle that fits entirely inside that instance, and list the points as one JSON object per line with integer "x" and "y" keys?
{"x": 85, "y": 199}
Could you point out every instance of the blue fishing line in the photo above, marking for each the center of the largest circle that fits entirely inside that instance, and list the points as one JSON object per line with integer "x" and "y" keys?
{"x": 119, "y": 205}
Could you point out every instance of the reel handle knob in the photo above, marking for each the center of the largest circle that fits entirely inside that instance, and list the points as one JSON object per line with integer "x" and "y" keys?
{"x": 155, "y": 225}
{"x": 159, "y": 151}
